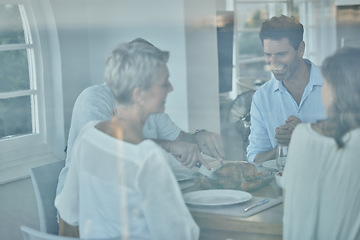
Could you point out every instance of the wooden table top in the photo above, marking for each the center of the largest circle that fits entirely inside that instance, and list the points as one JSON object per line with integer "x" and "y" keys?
{"x": 263, "y": 225}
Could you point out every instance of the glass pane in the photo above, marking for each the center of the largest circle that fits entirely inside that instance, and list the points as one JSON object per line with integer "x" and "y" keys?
{"x": 250, "y": 58}
{"x": 14, "y": 71}
{"x": 347, "y": 26}
{"x": 255, "y": 71}
{"x": 249, "y": 20}
{"x": 250, "y": 16}
{"x": 261, "y": 1}
{"x": 11, "y": 28}
{"x": 249, "y": 45}
{"x": 15, "y": 116}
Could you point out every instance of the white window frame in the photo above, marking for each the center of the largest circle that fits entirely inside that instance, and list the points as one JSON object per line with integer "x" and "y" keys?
{"x": 36, "y": 87}
{"x": 46, "y": 144}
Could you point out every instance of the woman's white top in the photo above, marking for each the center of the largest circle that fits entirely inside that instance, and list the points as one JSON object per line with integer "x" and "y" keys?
{"x": 114, "y": 188}
{"x": 322, "y": 187}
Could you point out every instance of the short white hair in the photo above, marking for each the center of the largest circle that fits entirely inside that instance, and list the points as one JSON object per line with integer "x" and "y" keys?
{"x": 131, "y": 65}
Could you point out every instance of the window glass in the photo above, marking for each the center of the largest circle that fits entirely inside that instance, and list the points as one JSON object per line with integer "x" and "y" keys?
{"x": 26, "y": 112}
{"x": 16, "y": 116}
{"x": 11, "y": 28}
{"x": 252, "y": 15}
{"x": 347, "y": 26}
{"x": 251, "y": 69}
{"x": 17, "y": 74}
{"x": 262, "y": 1}
{"x": 14, "y": 70}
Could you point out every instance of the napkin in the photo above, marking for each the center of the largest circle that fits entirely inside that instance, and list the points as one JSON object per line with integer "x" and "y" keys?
{"x": 236, "y": 209}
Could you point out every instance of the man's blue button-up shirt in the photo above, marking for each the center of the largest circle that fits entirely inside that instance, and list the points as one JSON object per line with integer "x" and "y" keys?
{"x": 272, "y": 104}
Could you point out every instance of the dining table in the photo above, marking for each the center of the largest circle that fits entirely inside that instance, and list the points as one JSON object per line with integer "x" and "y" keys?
{"x": 228, "y": 222}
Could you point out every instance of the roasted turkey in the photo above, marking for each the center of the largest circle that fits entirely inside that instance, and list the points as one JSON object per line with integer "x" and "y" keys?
{"x": 237, "y": 171}
{"x": 235, "y": 175}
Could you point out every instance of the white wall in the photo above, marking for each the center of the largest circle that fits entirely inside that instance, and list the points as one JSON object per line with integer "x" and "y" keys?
{"x": 161, "y": 22}
{"x": 73, "y": 40}
{"x": 90, "y": 29}
{"x": 202, "y": 64}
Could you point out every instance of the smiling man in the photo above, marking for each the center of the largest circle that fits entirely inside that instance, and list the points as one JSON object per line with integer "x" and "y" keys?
{"x": 292, "y": 96}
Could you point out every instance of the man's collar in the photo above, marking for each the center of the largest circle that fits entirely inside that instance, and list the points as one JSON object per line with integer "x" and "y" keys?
{"x": 277, "y": 85}
{"x": 315, "y": 74}
{"x": 315, "y": 78}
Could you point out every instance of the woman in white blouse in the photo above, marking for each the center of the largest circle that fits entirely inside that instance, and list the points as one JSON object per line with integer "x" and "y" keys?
{"x": 321, "y": 177}
{"x": 120, "y": 184}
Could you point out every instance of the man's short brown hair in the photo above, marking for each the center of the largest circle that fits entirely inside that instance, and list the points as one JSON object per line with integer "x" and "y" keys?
{"x": 281, "y": 27}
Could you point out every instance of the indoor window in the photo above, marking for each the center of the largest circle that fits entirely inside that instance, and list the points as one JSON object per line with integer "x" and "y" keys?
{"x": 251, "y": 70}
{"x": 19, "y": 92}
{"x": 31, "y": 124}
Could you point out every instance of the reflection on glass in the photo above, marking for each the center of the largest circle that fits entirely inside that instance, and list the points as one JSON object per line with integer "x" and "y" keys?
{"x": 250, "y": 54}
{"x": 348, "y": 26}
{"x": 14, "y": 71}
{"x": 254, "y": 70}
{"x": 249, "y": 20}
{"x": 15, "y": 116}
{"x": 249, "y": 45}
{"x": 281, "y": 155}
{"x": 11, "y": 28}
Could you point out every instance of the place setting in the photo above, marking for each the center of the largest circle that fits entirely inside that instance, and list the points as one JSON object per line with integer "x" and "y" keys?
{"x": 228, "y": 202}
{"x": 279, "y": 161}
{"x": 226, "y": 190}
{"x": 277, "y": 165}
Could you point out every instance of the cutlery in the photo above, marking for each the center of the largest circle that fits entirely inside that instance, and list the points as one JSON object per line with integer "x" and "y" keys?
{"x": 262, "y": 202}
{"x": 214, "y": 164}
{"x": 203, "y": 170}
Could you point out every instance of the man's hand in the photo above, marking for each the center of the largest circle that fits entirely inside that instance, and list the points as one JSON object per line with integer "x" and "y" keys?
{"x": 284, "y": 132}
{"x": 292, "y": 122}
{"x": 187, "y": 153}
{"x": 210, "y": 144}
{"x": 283, "y": 135}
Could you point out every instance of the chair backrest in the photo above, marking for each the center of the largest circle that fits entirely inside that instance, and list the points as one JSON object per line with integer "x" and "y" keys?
{"x": 32, "y": 234}
{"x": 44, "y": 179}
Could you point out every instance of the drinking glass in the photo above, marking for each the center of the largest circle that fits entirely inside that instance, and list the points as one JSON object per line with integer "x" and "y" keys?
{"x": 281, "y": 155}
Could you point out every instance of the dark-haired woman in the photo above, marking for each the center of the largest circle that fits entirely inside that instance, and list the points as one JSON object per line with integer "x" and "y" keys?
{"x": 321, "y": 178}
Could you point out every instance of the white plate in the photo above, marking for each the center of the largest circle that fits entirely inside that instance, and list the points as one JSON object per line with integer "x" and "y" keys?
{"x": 270, "y": 164}
{"x": 183, "y": 176}
{"x": 216, "y": 197}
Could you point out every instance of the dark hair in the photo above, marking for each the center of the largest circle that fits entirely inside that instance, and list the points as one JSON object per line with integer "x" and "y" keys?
{"x": 281, "y": 27}
{"x": 342, "y": 72}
